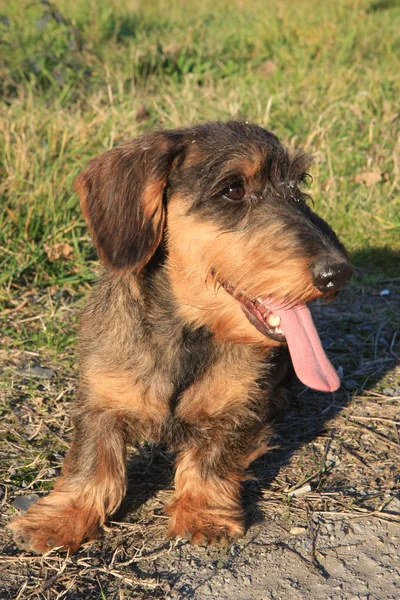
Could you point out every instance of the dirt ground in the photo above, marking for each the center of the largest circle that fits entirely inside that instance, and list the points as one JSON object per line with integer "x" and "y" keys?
{"x": 323, "y": 514}
{"x": 356, "y": 559}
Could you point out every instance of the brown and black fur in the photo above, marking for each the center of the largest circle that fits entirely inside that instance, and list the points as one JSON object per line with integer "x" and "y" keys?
{"x": 166, "y": 352}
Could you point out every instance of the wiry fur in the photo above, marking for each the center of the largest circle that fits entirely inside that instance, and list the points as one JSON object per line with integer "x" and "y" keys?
{"x": 165, "y": 352}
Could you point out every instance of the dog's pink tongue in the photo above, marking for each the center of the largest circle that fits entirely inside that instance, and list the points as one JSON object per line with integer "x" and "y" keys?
{"x": 310, "y": 362}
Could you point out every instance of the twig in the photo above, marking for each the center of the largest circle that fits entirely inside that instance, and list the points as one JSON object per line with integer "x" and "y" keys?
{"x": 43, "y": 424}
{"x": 385, "y": 503}
{"x": 377, "y": 338}
{"x": 149, "y": 556}
{"x": 133, "y": 582}
{"x": 323, "y": 461}
{"x": 354, "y": 455}
{"x": 366, "y": 514}
{"x": 392, "y": 345}
{"x": 8, "y": 311}
{"x": 383, "y": 419}
{"x": 371, "y": 394}
{"x": 298, "y": 485}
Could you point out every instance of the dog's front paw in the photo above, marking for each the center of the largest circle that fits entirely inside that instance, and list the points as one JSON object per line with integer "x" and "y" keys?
{"x": 205, "y": 526}
{"x": 210, "y": 534}
{"x": 55, "y": 522}
{"x": 30, "y": 536}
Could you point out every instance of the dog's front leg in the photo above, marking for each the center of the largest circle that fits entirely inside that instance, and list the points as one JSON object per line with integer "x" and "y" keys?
{"x": 221, "y": 427}
{"x": 207, "y": 505}
{"x": 91, "y": 487}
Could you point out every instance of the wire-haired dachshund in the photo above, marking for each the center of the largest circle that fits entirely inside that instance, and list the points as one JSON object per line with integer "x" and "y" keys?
{"x": 211, "y": 255}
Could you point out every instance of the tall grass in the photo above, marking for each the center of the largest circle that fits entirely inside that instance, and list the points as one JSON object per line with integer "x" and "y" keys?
{"x": 78, "y": 77}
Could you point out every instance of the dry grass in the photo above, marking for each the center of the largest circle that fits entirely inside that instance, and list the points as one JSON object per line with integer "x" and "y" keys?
{"x": 344, "y": 446}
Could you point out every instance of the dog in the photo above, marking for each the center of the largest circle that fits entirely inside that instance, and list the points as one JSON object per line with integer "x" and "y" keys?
{"x": 211, "y": 254}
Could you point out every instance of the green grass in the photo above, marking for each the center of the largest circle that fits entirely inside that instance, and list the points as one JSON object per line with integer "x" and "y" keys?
{"x": 322, "y": 76}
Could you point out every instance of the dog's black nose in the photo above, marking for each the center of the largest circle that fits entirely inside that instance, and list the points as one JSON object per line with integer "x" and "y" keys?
{"x": 330, "y": 276}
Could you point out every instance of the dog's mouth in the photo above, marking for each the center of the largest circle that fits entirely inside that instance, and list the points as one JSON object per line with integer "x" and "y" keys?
{"x": 258, "y": 313}
{"x": 293, "y": 325}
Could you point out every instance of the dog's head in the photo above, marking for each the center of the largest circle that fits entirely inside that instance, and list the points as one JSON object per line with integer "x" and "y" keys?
{"x": 245, "y": 253}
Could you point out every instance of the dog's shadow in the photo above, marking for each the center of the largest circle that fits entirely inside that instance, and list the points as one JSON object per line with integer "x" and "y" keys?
{"x": 359, "y": 333}
{"x": 356, "y": 330}
{"x": 149, "y": 470}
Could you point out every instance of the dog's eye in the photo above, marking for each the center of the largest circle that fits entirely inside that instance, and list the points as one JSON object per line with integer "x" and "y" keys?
{"x": 234, "y": 192}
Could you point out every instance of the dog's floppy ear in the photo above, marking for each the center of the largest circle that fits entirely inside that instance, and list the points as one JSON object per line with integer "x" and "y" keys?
{"x": 121, "y": 194}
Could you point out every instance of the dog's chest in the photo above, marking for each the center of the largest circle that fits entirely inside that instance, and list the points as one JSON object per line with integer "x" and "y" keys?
{"x": 196, "y": 354}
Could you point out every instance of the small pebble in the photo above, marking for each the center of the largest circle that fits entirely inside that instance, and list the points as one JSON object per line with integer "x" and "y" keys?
{"x": 351, "y": 383}
{"x": 301, "y": 491}
{"x": 389, "y": 391}
{"x": 36, "y": 372}
{"x": 298, "y": 530}
{"x": 24, "y": 502}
